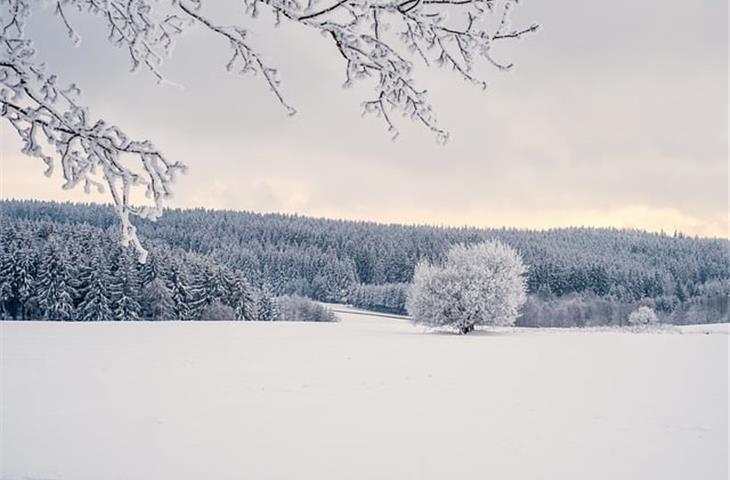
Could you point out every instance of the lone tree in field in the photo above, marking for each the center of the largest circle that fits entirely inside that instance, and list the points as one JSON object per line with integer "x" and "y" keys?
{"x": 480, "y": 284}
{"x": 374, "y": 39}
{"x": 643, "y": 317}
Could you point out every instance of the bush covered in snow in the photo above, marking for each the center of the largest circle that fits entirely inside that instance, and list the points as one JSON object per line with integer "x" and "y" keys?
{"x": 294, "y": 308}
{"x": 218, "y": 311}
{"x": 480, "y": 284}
{"x": 643, "y": 317}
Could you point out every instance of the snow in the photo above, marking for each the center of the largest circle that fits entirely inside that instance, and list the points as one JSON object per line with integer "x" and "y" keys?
{"x": 368, "y": 397}
{"x": 714, "y": 328}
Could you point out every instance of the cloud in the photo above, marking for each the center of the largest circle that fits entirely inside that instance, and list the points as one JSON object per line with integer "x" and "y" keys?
{"x": 610, "y": 118}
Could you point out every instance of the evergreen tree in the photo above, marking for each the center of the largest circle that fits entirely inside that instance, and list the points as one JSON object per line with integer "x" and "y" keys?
{"x": 55, "y": 293}
{"x": 124, "y": 289}
{"x": 244, "y": 303}
{"x": 17, "y": 279}
{"x": 179, "y": 290}
{"x": 266, "y": 307}
{"x": 96, "y": 300}
{"x": 157, "y": 302}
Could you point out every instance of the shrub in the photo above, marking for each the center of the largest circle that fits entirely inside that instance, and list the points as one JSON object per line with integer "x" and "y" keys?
{"x": 294, "y": 308}
{"x": 643, "y": 317}
{"x": 218, "y": 311}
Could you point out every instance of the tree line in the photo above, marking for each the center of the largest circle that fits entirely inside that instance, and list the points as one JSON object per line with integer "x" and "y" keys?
{"x": 56, "y": 271}
{"x": 340, "y": 261}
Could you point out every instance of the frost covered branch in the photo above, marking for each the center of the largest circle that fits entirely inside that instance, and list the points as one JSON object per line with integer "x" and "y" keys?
{"x": 376, "y": 38}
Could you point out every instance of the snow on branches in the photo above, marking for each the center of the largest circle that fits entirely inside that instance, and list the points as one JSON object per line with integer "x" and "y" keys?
{"x": 378, "y": 39}
{"x": 48, "y": 116}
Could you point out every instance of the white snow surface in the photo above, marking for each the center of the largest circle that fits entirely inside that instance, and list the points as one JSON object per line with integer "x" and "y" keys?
{"x": 370, "y": 397}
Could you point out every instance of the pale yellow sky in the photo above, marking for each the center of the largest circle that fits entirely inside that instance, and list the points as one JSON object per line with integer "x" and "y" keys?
{"x": 297, "y": 197}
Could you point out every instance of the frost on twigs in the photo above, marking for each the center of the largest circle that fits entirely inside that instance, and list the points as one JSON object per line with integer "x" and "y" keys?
{"x": 379, "y": 40}
{"x": 644, "y": 319}
{"x": 53, "y": 126}
{"x": 382, "y": 40}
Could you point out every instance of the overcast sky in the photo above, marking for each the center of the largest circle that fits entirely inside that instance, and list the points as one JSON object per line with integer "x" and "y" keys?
{"x": 615, "y": 115}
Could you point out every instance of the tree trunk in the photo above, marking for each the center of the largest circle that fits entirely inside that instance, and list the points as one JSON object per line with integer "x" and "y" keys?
{"x": 466, "y": 329}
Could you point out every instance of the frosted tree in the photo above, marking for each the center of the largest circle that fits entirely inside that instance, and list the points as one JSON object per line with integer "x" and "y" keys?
{"x": 244, "y": 303}
{"x": 481, "y": 284}
{"x": 8, "y": 295}
{"x": 96, "y": 299}
{"x": 55, "y": 292}
{"x": 375, "y": 40}
{"x": 266, "y": 307}
{"x": 179, "y": 290}
{"x": 212, "y": 284}
{"x": 643, "y": 317}
{"x": 156, "y": 301}
{"x": 125, "y": 290}
{"x": 152, "y": 270}
{"x": 334, "y": 281}
{"x": 17, "y": 274}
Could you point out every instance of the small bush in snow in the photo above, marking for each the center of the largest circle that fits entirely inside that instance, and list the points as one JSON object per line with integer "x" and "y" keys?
{"x": 480, "y": 284}
{"x": 294, "y": 308}
{"x": 218, "y": 311}
{"x": 643, "y": 317}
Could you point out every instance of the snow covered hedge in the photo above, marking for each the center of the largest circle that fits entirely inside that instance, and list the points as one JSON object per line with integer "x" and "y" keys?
{"x": 480, "y": 284}
{"x": 294, "y": 308}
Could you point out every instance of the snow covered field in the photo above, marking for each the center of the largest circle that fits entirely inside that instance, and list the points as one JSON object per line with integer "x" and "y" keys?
{"x": 367, "y": 398}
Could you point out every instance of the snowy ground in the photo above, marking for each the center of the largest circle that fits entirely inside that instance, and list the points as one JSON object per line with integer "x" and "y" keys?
{"x": 368, "y": 398}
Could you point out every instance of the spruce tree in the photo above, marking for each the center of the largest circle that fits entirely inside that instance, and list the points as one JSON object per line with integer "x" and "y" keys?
{"x": 54, "y": 290}
{"x": 94, "y": 287}
{"x": 266, "y": 307}
{"x": 179, "y": 290}
{"x": 244, "y": 303}
{"x": 124, "y": 289}
{"x": 157, "y": 302}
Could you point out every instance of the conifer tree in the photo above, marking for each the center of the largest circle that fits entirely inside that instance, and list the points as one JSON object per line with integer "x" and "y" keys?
{"x": 96, "y": 300}
{"x": 266, "y": 307}
{"x": 55, "y": 293}
{"x": 244, "y": 303}
{"x": 157, "y": 302}
{"x": 179, "y": 290}
{"x": 124, "y": 289}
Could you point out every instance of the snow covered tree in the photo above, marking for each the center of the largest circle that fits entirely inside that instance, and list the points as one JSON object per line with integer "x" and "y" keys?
{"x": 244, "y": 302}
{"x": 96, "y": 300}
{"x": 156, "y": 301}
{"x": 481, "y": 284}
{"x": 334, "y": 281}
{"x": 376, "y": 40}
{"x": 179, "y": 290}
{"x": 125, "y": 290}
{"x": 153, "y": 270}
{"x": 212, "y": 283}
{"x": 17, "y": 278}
{"x": 55, "y": 293}
{"x": 643, "y": 317}
{"x": 267, "y": 309}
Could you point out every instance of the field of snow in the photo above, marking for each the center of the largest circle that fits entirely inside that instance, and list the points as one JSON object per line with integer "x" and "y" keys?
{"x": 370, "y": 397}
